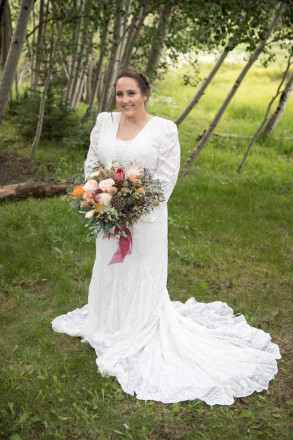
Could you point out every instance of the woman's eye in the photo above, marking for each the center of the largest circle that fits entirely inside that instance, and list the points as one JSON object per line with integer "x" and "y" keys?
{"x": 131, "y": 93}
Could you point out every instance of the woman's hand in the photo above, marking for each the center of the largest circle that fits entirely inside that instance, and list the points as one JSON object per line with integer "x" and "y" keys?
{"x": 135, "y": 219}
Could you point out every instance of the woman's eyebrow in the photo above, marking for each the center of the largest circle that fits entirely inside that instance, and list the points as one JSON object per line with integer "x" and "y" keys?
{"x": 130, "y": 90}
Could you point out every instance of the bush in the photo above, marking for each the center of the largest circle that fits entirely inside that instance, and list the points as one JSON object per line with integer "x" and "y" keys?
{"x": 59, "y": 121}
{"x": 80, "y": 137}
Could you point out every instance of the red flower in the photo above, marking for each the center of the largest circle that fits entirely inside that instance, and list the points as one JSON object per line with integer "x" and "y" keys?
{"x": 96, "y": 195}
{"x": 119, "y": 174}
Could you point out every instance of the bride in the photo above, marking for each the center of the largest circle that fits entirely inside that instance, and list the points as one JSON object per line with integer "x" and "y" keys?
{"x": 158, "y": 349}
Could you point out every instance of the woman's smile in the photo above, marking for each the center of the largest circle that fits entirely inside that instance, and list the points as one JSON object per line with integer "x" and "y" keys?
{"x": 129, "y": 98}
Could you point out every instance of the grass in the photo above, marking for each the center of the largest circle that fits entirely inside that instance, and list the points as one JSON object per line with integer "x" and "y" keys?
{"x": 230, "y": 239}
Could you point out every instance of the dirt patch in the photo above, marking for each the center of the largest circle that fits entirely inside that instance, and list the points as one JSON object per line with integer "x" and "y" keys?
{"x": 15, "y": 169}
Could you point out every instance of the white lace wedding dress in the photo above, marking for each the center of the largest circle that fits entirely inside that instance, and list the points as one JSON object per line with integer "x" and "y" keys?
{"x": 158, "y": 349}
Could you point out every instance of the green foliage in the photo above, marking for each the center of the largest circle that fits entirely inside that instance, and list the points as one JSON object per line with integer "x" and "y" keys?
{"x": 60, "y": 122}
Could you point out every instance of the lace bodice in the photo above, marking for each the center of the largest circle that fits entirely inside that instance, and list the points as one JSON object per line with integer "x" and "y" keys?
{"x": 156, "y": 146}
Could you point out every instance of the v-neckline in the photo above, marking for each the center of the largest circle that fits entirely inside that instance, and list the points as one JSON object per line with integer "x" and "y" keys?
{"x": 131, "y": 140}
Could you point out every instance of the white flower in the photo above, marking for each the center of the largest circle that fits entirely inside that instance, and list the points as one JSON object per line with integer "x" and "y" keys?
{"x": 105, "y": 199}
{"x": 90, "y": 185}
{"x": 95, "y": 174}
{"x": 135, "y": 168}
{"x": 106, "y": 184}
{"x": 90, "y": 214}
{"x": 109, "y": 164}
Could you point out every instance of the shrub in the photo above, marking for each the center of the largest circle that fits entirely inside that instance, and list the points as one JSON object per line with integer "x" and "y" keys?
{"x": 59, "y": 121}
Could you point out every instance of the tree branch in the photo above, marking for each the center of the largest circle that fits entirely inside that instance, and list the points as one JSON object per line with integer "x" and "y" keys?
{"x": 61, "y": 17}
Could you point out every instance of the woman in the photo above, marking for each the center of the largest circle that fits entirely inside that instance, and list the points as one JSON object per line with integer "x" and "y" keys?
{"x": 160, "y": 350}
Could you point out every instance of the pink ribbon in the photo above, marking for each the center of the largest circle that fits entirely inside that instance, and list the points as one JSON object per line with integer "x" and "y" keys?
{"x": 124, "y": 247}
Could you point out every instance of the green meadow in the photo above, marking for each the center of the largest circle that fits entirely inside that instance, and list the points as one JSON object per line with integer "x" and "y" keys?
{"x": 230, "y": 239}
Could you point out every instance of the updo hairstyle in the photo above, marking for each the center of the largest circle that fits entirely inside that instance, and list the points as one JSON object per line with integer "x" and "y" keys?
{"x": 140, "y": 78}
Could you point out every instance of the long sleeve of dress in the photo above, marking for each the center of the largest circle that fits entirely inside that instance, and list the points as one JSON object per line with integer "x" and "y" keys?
{"x": 168, "y": 166}
{"x": 93, "y": 152}
{"x": 169, "y": 158}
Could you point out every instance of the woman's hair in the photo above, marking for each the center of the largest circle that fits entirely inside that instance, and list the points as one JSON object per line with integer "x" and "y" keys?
{"x": 140, "y": 78}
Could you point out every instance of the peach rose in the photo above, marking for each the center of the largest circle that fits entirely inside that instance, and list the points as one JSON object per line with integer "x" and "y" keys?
{"x": 132, "y": 177}
{"x": 87, "y": 195}
{"x": 90, "y": 185}
{"x": 106, "y": 184}
{"x": 141, "y": 190}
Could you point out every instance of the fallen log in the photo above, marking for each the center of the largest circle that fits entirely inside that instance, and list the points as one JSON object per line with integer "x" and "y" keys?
{"x": 24, "y": 190}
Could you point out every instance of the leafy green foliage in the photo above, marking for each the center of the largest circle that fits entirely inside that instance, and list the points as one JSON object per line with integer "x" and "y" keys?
{"x": 60, "y": 123}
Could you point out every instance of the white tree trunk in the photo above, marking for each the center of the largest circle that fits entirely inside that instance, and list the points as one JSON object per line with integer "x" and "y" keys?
{"x": 109, "y": 74}
{"x": 278, "y": 113}
{"x": 99, "y": 68}
{"x": 5, "y": 32}
{"x": 132, "y": 35}
{"x": 14, "y": 54}
{"x": 82, "y": 70}
{"x": 203, "y": 141}
{"x": 119, "y": 53}
{"x": 74, "y": 56}
{"x": 16, "y": 86}
{"x": 203, "y": 86}
{"x": 159, "y": 40}
{"x": 80, "y": 48}
{"x": 36, "y": 64}
{"x": 89, "y": 82}
{"x": 260, "y": 129}
{"x": 46, "y": 86}
{"x": 33, "y": 49}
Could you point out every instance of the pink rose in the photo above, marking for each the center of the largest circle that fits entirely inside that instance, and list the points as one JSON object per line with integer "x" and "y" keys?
{"x": 87, "y": 195}
{"x": 90, "y": 185}
{"x": 106, "y": 184}
{"x": 119, "y": 174}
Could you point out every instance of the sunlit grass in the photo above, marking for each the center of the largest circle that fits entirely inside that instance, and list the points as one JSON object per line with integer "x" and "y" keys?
{"x": 245, "y": 111}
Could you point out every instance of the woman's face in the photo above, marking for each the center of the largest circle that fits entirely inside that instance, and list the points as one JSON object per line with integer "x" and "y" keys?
{"x": 129, "y": 98}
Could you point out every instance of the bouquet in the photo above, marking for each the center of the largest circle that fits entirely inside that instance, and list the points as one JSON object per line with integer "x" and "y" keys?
{"x": 113, "y": 198}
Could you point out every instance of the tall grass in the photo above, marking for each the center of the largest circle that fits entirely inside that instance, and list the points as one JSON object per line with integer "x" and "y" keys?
{"x": 230, "y": 239}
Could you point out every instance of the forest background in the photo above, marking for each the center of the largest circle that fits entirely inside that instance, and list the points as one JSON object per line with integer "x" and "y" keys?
{"x": 222, "y": 70}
